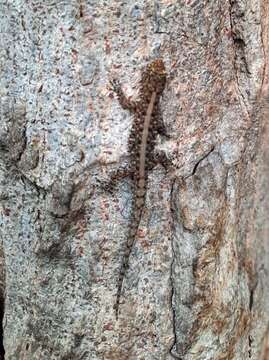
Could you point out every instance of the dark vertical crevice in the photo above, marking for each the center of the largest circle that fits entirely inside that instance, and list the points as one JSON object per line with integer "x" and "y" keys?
{"x": 173, "y": 349}
{"x": 2, "y": 299}
{"x": 251, "y": 303}
{"x": 2, "y": 310}
{"x": 249, "y": 347}
{"x": 240, "y": 64}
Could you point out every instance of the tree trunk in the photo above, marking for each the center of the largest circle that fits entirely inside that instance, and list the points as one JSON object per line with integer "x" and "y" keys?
{"x": 197, "y": 282}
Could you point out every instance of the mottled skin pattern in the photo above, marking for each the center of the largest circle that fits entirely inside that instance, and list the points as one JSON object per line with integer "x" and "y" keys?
{"x": 146, "y": 125}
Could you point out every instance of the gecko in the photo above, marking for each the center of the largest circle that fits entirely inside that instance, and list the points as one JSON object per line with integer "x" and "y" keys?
{"x": 145, "y": 127}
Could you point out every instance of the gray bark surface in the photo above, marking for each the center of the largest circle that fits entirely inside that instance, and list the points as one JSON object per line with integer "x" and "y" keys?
{"x": 197, "y": 286}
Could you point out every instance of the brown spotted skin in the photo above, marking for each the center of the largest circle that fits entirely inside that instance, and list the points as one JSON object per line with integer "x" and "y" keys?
{"x": 145, "y": 127}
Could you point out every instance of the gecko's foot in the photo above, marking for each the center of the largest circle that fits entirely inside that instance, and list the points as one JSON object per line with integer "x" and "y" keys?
{"x": 161, "y": 158}
{"x": 106, "y": 186}
{"x": 114, "y": 85}
{"x": 109, "y": 187}
{"x": 161, "y": 129}
{"x": 157, "y": 158}
{"x": 115, "y": 176}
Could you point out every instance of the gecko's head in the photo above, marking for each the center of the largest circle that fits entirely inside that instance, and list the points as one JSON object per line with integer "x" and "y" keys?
{"x": 157, "y": 69}
{"x": 154, "y": 76}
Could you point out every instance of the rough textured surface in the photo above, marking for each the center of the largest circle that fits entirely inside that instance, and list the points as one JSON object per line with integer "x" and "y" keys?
{"x": 197, "y": 286}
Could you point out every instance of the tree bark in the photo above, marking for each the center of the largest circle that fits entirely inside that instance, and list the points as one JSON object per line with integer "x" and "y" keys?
{"x": 197, "y": 283}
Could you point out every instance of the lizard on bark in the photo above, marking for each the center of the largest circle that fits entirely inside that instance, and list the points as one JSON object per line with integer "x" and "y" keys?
{"x": 141, "y": 141}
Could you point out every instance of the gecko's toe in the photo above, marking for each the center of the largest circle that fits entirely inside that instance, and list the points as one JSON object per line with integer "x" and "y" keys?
{"x": 114, "y": 85}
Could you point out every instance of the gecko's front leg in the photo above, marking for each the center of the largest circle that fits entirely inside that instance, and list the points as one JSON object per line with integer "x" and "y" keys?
{"x": 126, "y": 102}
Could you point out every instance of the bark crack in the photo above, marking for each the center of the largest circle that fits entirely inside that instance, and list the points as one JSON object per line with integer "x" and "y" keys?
{"x": 250, "y": 346}
{"x": 251, "y": 303}
{"x": 199, "y": 161}
{"x": 238, "y": 48}
{"x": 2, "y": 311}
{"x": 173, "y": 349}
{"x": 23, "y": 143}
{"x": 2, "y": 300}
{"x": 263, "y": 40}
{"x": 203, "y": 158}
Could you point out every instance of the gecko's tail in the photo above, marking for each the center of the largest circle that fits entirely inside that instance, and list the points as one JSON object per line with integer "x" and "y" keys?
{"x": 128, "y": 248}
{"x": 123, "y": 269}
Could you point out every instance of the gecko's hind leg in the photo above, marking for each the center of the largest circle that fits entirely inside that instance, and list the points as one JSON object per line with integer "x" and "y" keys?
{"x": 157, "y": 158}
{"x": 116, "y": 176}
